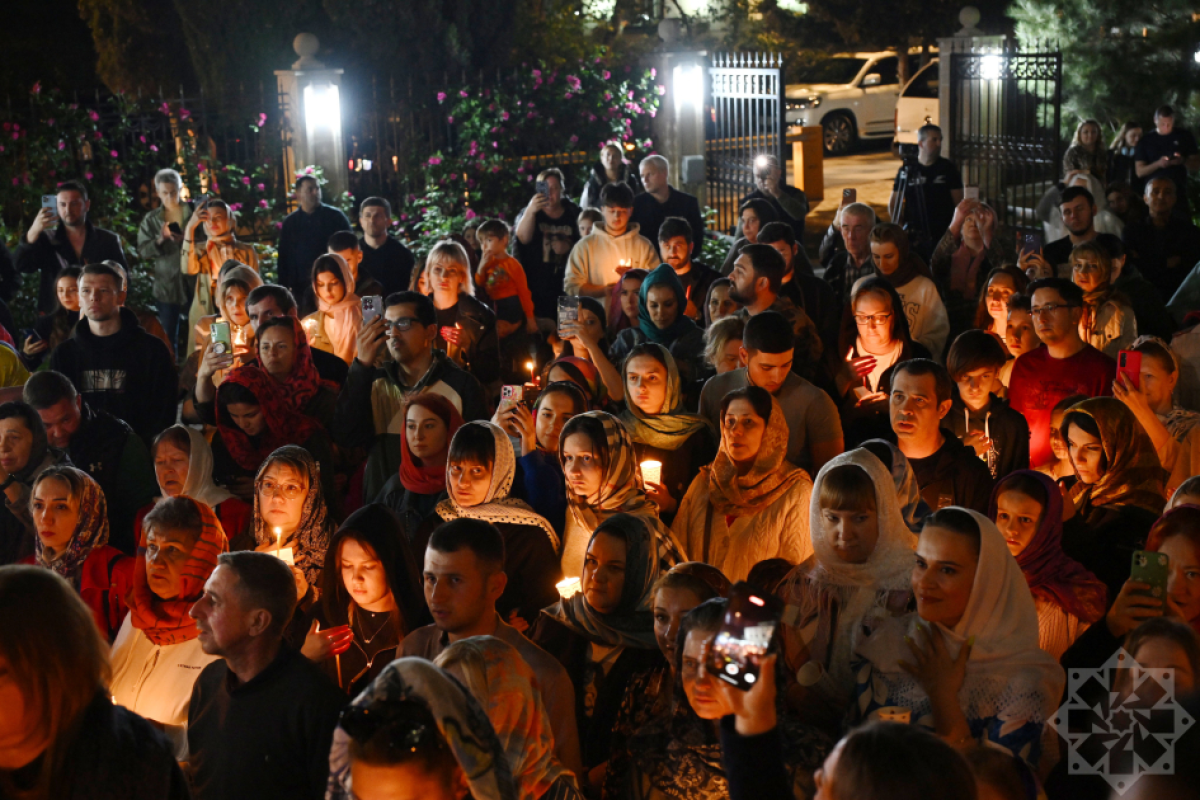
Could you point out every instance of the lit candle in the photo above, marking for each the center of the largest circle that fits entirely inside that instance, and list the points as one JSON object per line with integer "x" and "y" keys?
{"x": 529, "y": 365}
{"x": 651, "y": 472}
{"x": 286, "y": 555}
{"x": 568, "y": 587}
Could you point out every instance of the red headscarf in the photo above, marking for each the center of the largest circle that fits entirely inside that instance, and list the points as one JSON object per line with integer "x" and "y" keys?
{"x": 1183, "y": 520}
{"x": 424, "y": 479}
{"x": 284, "y": 424}
{"x": 166, "y": 621}
{"x": 304, "y": 381}
{"x": 1052, "y": 574}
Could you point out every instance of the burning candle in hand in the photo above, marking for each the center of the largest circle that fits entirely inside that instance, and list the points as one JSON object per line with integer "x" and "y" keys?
{"x": 651, "y": 472}
{"x": 529, "y": 365}
{"x": 568, "y": 587}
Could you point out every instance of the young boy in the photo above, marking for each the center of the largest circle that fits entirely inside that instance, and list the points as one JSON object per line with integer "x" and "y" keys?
{"x": 999, "y": 435}
{"x": 504, "y": 279}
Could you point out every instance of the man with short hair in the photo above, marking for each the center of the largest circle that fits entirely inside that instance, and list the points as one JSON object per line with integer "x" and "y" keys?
{"x": 934, "y": 188}
{"x": 346, "y": 245}
{"x": 160, "y": 239}
{"x": 675, "y": 243}
{"x": 113, "y": 362}
{"x": 948, "y": 472}
{"x": 370, "y": 407}
{"x": 464, "y": 576}
{"x": 804, "y": 289}
{"x": 846, "y": 266}
{"x": 652, "y": 207}
{"x": 598, "y": 261}
{"x": 1078, "y": 209}
{"x": 757, "y": 280}
{"x": 1062, "y": 366}
{"x": 261, "y": 719}
{"x": 1165, "y": 246}
{"x": 790, "y": 203}
{"x": 545, "y": 231}
{"x": 1170, "y": 152}
{"x": 74, "y": 241}
{"x": 384, "y": 257}
{"x": 305, "y": 233}
{"x": 99, "y": 444}
{"x": 271, "y": 300}
{"x": 814, "y": 428}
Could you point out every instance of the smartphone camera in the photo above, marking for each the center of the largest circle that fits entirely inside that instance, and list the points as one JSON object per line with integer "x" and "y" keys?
{"x": 745, "y": 636}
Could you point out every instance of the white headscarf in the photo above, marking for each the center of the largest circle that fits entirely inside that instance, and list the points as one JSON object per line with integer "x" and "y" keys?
{"x": 497, "y": 506}
{"x": 343, "y": 319}
{"x": 1008, "y": 675}
{"x": 199, "y": 484}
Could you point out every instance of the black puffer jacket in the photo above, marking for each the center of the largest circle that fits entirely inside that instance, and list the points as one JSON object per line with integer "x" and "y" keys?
{"x": 599, "y": 178}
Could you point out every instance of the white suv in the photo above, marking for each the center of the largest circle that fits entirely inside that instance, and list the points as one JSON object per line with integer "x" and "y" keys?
{"x": 918, "y": 104}
{"x": 851, "y": 95}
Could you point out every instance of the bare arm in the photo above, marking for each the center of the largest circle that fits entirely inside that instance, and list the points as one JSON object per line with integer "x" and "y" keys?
{"x": 527, "y": 225}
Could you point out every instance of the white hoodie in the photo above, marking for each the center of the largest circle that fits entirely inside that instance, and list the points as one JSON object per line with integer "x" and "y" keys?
{"x": 595, "y": 258}
{"x": 927, "y": 319}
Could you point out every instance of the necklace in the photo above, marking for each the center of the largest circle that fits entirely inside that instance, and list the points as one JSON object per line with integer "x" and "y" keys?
{"x": 368, "y": 639}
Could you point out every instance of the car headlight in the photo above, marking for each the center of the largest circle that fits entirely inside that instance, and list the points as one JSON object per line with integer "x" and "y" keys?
{"x": 801, "y": 103}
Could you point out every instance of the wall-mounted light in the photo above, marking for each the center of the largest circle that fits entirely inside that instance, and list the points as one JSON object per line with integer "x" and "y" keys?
{"x": 322, "y": 108}
{"x": 687, "y": 81}
{"x": 991, "y": 67}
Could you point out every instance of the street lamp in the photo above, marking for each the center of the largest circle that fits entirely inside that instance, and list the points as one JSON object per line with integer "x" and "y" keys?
{"x": 688, "y": 83}
{"x": 322, "y": 108}
{"x": 991, "y": 67}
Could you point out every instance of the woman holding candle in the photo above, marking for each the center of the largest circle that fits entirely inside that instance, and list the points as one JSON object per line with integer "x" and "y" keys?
{"x": 157, "y": 656}
{"x": 662, "y": 431}
{"x": 481, "y": 466}
{"x": 430, "y": 422}
{"x": 661, "y": 320}
{"x": 334, "y": 326}
{"x": 466, "y": 327}
{"x": 370, "y": 599}
{"x": 750, "y": 504}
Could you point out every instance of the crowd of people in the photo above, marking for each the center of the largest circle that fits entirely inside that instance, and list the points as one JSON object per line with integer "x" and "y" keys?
{"x": 469, "y": 525}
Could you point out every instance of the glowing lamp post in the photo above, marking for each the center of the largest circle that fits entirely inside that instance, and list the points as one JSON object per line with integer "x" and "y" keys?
{"x": 311, "y": 98}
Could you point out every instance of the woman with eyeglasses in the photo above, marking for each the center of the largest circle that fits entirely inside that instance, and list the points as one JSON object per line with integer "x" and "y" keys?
{"x": 1108, "y": 323}
{"x": 466, "y": 327}
{"x": 875, "y": 338}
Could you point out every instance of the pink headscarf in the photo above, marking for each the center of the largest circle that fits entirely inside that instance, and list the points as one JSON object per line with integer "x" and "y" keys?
{"x": 343, "y": 319}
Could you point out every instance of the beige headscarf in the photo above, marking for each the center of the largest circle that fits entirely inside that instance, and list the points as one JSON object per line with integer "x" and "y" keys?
{"x": 1134, "y": 476}
{"x": 771, "y": 477}
{"x": 343, "y": 319}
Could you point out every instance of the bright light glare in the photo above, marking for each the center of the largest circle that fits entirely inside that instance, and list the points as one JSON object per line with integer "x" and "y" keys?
{"x": 322, "y": 107}
{"x": 688, "y": 82}
{"x": 991, "y": 67}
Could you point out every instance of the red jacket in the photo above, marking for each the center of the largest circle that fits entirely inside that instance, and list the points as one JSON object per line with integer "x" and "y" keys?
{"x": 104, "y": 582}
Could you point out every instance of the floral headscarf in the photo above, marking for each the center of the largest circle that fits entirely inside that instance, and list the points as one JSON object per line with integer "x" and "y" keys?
{"x": 343, "y": 319}
{"x": 1052, "y": 574}
{"x": 303, "y": 382}
{"x": 498, "y": 506}
{"x": 908, "y": 492}
{"x": 166, "y": 622}
{"x": 91, "y": 529}
{"x": 771, "y": 477}
{"x": 283, "y": 424}
{"x": 1134, "y": 476}
{"x": 424, "y": 478}
{"x": 310, "y": 540}
{"x": 460, "y": 719}
{"x": 672, "y": 425}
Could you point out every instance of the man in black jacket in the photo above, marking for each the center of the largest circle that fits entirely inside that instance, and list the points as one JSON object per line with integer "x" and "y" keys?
{"x": 74, "y": 241}
{"x": 99, "y": 444}
{"x": 790, "y": 203}
{"x": 947, "y": 471}
{"x": 113, "y": 362}
{"x": 304, "y": 236}
{"x": 804, "y": 289}
{"x": 661, "y": 200}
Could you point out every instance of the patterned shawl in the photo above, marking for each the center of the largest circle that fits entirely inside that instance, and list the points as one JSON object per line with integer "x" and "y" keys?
{"x": 621, "y": 486}
{"x": 461, "y": 721}
{"x": 498, "y": 506}
{"x": 303, "y": 382}
{"x": 912, "y": 507}
{"x": 508, "y": 690}
{"x": 631, "y": 623}
{"x": 166, "y": 622}
{"x": 283, "y": 424}
{"x": 672, "y": 425}
{"x": 91, "y": 530}
{"x": 343, "y": 319}
{"x": 310, "y": 540}
{"x": 770, "y": 478}
{"x": 1054, "y": 576}
{"x": 1134, "y": 476}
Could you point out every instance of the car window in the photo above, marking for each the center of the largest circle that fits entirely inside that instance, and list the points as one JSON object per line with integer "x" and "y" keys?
{"x": 831, "y": 70}
{"x": 925, "y": 84}
{"x": 887, "y": 70}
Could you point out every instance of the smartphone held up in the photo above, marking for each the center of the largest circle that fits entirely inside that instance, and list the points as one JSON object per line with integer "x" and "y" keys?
{"x": 745, "y": 637}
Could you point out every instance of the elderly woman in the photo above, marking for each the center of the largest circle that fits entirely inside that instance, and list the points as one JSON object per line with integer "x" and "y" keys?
{"x": 157, "y": 655}
{"x": 430, "y": 422}
{"x": 24, "y": 454}
{"x": 334, "y": 326}
{"x": 751, "y": 504}
{"x": 466, "y": 327}
{"x": 71, "y": 520}
{"x": 1108, "y": 323}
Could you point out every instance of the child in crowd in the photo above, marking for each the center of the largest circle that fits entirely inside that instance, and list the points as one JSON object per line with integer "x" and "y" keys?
{"x": 505, "y": 280}
{"x": 587, "y": 218}
{"x": 999, "y": 435}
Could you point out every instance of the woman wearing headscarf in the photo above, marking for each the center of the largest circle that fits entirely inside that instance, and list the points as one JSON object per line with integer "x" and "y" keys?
{"x": 334, "y": 326}
{"x": 661, "y": 428}
{"x": 418, "y": 716}
{"x": 603, "y": 478}
{"x": 253, "y": 421}
{"x": 966, "y": 663}
{"x": 290, "y": 511}
{"x": 480, "y": 469}
{"x": 24, "y": 454}
{"x": 1118, "y": 491}
{"x": 157, "y": 656}
{"x": 661, "y": 303}
{"x": 858, "y": 575}
{"x": 285, "y": 354}
{"x": 604, "y": 634}
{"x": 1027, "y": 507}
{"x": 370, "y": 599}
{"x": 507, "y": 689}
{"x": 751, "y": 504}
{"x": 1152, "y": 401}
{"x": 1108, "y": 323}
{"x": 183, "y": 466}
{"x": 71, "y": 519}
{"x": 430, "y": 422}
{"x": 913, "y": 509}
{"x": 583, "y": 374}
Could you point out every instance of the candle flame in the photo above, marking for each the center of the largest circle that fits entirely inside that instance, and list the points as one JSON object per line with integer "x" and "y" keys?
{"x": 568, "y": 587}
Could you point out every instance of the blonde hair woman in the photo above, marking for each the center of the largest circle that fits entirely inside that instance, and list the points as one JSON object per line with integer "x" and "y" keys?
{"x": 466, "y": 327}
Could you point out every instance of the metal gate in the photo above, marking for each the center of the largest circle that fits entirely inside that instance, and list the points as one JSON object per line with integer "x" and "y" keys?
{"x": 1005, "y": 114}
{"x": 747, "y": 121}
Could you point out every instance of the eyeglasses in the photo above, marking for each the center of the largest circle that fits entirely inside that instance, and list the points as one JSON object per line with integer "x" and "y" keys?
{"x": 1049, "y": 308}
{"x": 288, "y": 491}
{"x": 874, "y": 320}
{"x": 402, "y": 324}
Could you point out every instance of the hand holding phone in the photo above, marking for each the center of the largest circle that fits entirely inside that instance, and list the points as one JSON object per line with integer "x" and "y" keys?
{"x": 849, "y": 196}
{"x": 745, "y": 637}
{"x": 372, "y": 308}
{"x": 1129, "y": 365}
{"x": 971, "y": 193}
{"x": 222, "y": 338}
{"x": 1151, "y": 569}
